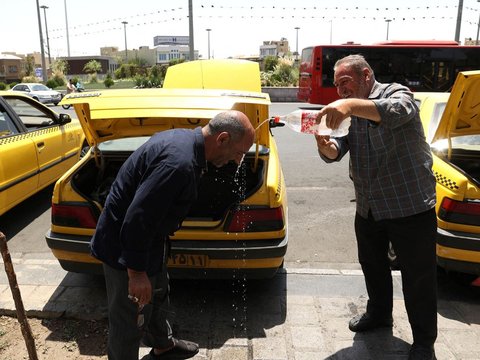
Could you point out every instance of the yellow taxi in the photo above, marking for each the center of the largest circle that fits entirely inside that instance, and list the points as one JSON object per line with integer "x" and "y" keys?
{"x": 37, "y": 146}
{"x": 452, "y": 127}
{"x": 237, "y": 226}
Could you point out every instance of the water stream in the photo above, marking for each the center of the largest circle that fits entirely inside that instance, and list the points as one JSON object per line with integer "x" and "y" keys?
{"x": 239, "y": 279}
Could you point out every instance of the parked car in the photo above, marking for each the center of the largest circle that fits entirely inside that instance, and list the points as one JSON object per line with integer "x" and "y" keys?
{"x": 37, "y": 146}
{"x": 452, "y": 126}
{"x": 39, "y": 92}
{"x": 237, "y": 226}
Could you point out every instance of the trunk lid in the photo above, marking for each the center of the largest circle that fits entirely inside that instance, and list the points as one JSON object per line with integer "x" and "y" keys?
{"x": 193, "y": 93}
{"x": 461, "y": 116}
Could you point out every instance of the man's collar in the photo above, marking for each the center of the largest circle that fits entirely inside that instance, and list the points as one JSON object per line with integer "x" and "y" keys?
{"x": 375, "y": 92}
{"x": 200, "y": 149}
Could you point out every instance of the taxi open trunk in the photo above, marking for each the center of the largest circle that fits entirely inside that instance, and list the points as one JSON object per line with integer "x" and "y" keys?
{"x": 220, "y": 188}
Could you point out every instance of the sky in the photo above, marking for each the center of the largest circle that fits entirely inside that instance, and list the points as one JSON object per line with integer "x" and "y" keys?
{"x": 238, "y": 27}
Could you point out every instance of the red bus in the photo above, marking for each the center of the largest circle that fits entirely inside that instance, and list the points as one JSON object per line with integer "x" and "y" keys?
{"x": 420, "y": 65}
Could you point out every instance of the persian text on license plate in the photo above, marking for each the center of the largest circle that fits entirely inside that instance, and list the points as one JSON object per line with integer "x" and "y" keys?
{"x": 188, "y": 260}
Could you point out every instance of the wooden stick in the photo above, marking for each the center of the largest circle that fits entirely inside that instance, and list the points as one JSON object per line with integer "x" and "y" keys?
{"x": 17, "y": 297}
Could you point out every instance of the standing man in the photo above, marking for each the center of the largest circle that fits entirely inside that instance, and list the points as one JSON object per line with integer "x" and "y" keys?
{"x": 395, "y": 195}
{"x": 148, "y": 201}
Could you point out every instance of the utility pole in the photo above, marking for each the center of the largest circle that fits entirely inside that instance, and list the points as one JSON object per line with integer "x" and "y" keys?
{"x": 44, "y": 7}
{"x": 331, "y": 31}
{"x": 44, "y": 68}
{"x": 459, "y": 21}
{"x": 125, "y": 33}
{"x": 208, "y": 31}
{"x": 296, "y": 45}
{"x": 190, "y": 31}
{"x": 66, "y": 25}
{"x": 388, "y": 25}
{"x": 478, "y": 27}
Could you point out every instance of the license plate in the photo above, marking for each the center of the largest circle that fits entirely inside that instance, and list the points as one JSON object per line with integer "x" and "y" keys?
{"x": 188, "y": 260}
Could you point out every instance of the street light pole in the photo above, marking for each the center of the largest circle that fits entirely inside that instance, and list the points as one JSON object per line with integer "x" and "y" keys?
{"x": 478, "y": 26}
{"x": 44, "y": 68}
{"x": 331, "y": 31}
{"x": 66, "y": 25}
{"x": 190, "y": 31}
{"x": 296, "y": 46}
{"x": 44, "y": 7}
{"x": 125, "y": 33}
{"x": 388, "y": 25}
{"x": 459, "y": 21}
{"x": 208, "y": 31}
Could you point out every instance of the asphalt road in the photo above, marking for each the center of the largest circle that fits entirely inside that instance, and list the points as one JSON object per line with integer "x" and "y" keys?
{"x": 320, "y": 198}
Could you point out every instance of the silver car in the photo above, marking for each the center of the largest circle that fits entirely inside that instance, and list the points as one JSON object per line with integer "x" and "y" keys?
{"x": 39, "y": 92}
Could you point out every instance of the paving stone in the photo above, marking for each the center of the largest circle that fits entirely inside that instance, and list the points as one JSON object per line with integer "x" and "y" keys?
{"x": 271, "y": 348}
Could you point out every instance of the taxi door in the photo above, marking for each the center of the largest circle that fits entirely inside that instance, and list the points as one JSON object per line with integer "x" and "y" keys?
{"x": 57, "y": 145}
{"x": 18, "y": 161}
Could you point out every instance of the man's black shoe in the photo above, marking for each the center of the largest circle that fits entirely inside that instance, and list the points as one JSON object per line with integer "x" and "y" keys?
{"x": 181, "y": 349}
{"x": 366, "y": 322}
{"x": 420, "y": 352}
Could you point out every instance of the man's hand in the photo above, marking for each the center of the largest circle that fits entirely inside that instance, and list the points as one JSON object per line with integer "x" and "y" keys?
{"x": 326, "y": 147}
{"x": 139, "y": 287}
{"x": 335, "y": 112}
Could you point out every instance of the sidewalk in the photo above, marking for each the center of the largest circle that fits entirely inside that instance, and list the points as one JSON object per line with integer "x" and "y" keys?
{"x": 301, "y": 314}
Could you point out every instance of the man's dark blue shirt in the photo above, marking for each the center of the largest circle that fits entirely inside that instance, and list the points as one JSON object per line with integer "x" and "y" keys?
{"x": 149, "y": 199}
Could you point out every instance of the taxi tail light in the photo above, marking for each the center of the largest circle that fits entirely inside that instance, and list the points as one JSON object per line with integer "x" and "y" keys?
{"x": 80, "y": 216}
{"x": 460, "y": 212}
{"x": 255, "y": 220}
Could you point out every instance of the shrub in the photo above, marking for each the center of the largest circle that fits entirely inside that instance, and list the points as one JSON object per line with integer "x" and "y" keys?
{"x": 12, "y": 84}
{"x": 108, "y": 82}
{"x": 52, "y": 83}
{"x": 141, "y": 81}
{"x": 283, "y": 74}
{"x": 269, "y": 63}
{"x": 30, "y": 79}
{"x": 3, "y": 86}
{"x": 59, "y": 79}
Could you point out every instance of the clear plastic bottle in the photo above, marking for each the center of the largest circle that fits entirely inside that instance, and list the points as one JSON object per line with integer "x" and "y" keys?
{"x": 304, "y": 121}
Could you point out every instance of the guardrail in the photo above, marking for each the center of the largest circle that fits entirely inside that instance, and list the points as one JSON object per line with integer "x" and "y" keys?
{"x": 281, "y": 94}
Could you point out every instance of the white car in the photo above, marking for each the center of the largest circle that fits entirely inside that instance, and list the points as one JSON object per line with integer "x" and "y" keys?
{"x": 39, "y": 92}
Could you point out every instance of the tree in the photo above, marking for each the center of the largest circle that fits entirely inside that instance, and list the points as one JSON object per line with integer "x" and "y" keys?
{"x": 60, "y": 66}
{"x": 29, "y": 65}
{"x": 59, "y": 71}
{"x": 269, "y": 63}
{"x": 92, "y": 68}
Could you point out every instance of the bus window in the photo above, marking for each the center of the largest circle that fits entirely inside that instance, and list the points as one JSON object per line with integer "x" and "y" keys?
{"x": 307, "y": 55}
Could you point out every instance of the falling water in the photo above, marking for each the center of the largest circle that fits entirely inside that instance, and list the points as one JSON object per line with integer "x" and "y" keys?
{"x": 263, "y": 122}
{"x": 239, "y": 280}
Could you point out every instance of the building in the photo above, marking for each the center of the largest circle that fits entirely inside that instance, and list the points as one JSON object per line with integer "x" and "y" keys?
{"x": 470, "y": 41}
{"x": 170, "y": 47}
{"x": 171, "y": 40}
{"x": 76, "y": 64}
{"x": 11, "y": 68}
{"x": 274, "y": 48}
